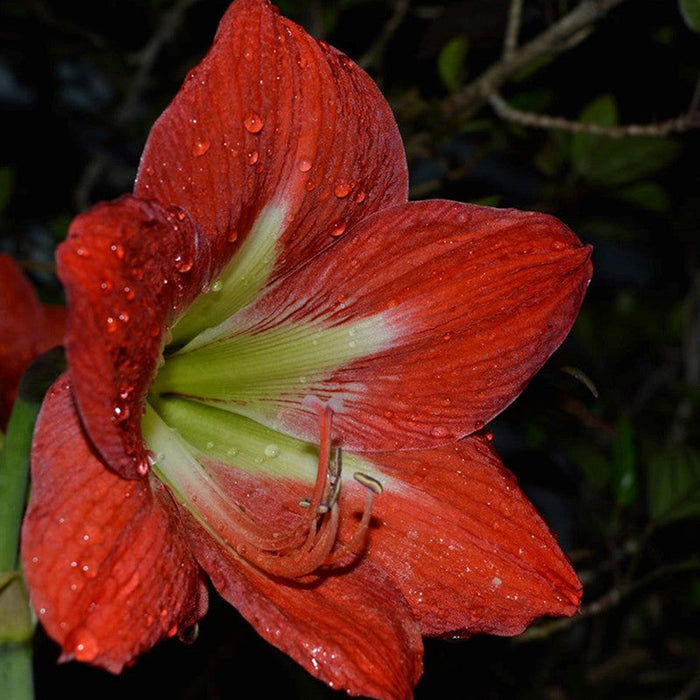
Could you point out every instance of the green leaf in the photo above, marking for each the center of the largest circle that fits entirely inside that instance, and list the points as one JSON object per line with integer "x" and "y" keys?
{"x": 451, "y": 62}
{"x": 690, "y": 11}
{"x": 646, "y": 195}
{"x": 674, "y": 485}
{"x": 625, "y": 464}
{"x": 616, "y": 162}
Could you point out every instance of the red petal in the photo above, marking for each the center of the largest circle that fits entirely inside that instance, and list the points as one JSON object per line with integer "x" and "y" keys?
{"x": 24, "y": 332}
{"x": 352, "y": 630}
{"x": 129, "y": 268}
{"x": 273, "y": 116}
{"x": 107, "y": 568}
{"x": 473, "y": 301}
{"x": 468, "y": 549}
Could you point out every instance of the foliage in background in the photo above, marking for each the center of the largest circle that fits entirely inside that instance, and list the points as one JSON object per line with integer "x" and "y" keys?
{"x": 617, "y": 475}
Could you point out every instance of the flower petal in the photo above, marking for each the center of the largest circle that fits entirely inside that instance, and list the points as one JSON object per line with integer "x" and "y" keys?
{"x": 445, "y": 311}
{"x": 468, "y": 549}
{"x": 130, "y": 267}
{"x": 108, "y": 571}
{"x": 352, "y": 630}
{"x": 26, "y": 330}
{"x": 272, "y": 121}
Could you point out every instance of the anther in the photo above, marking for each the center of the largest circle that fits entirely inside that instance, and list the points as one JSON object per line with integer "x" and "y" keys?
{"x": 368, "y": 482}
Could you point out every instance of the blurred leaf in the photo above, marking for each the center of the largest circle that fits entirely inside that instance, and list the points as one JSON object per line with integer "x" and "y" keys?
{"x": 674, "y": 485}
{"x": 615, "y": 162}
{"x": 625, "y": 464}
{"x": 592, "y": 462}
{"x": 531, "y": 68}
{"x": 451, "y": 61}
{"x": 647, "y": 195}
{"x": 690, "y": 10}
{"x": 7, "y": 186}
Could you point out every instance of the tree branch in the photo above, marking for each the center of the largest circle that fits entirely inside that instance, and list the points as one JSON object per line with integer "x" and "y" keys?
{"x": 561, "y": 36}
{"x": 687, "y": 121}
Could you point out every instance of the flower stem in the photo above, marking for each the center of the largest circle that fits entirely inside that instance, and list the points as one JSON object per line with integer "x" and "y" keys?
{"x": 16, "y": 619}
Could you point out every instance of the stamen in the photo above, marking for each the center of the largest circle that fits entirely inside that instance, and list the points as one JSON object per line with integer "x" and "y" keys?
{"x": 369, "y": 482}
{"x": 313, "y": 542}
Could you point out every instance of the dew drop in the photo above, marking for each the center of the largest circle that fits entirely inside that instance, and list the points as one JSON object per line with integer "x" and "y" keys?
{"x": 360, "y": 197}
{"x": 253, "y": 123}
{"x": 142, "y": 467}
{"x": 111, "y": 324}
{"x": 106, "y": 286}
{"x": 129, "y": 293}
{"x": 201, "y": 146}
{"x": 310, "y": 186}
{"x": 232, "y": 236}
{"x": 447, "y": 336}
{"x": 124, "y": 317}
{"x": 272, "y": 450}
{"x": 83, "y": 644}
{"x": 118, "y": 250}
{"x": 183, "y": 263}
{"x": 305, "y": 165}
{"x": 479, "y": 425}
{"x": 217, "y": 286}
{"x": 252, "y": 157}
{"x": 341, "y": 189}
{"x": 439, "y": 431}
{"x": 338, "y": 229}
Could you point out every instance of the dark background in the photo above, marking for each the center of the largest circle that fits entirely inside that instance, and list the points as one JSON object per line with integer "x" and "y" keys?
{"x": 617, "y": 476}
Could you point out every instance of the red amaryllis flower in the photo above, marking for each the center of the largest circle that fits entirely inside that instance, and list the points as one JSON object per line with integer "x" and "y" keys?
{"x": 26, "y": 330}
{"x": 278, "y": 374}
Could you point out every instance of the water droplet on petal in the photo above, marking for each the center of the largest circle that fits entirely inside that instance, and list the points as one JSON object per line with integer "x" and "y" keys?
{"x": 82, "y": 644}
{"x": 111, "y": 324}
{"x": 337, "y": 229}
{"x": 106, "y": 286}
{"x": 232, "y": 236}
{"x": 272, "y": 451}
{"x": 118, "y": 250}
{"x": 305, "y": 165}
{"x": 183, "y": 263}
{"x": 201, "y": 146}
{"x": 143, "y": 467}
{"x": 253, "y": 123}
{"x": 341, "y": 189}
{"x": 360, "y": 197}
{"x": 447, "y": 336}
{"x": 439, "y": 431}
{"x": 252, "y": 157}
{"x": 479, "y": 425}
{"x": 310, "y": 186}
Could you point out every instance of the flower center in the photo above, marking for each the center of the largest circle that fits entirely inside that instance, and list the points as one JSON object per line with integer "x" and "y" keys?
{"x": 209, "y": 487}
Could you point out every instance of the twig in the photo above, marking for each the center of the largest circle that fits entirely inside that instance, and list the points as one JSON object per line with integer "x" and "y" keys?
{"x": 606, "y": 602}
{"x": 561, "y": 36}
{"x": 685, "y": 122}
{"x": 510, "y": 42}
{"x": 372, "y": 57}
{"x": 145, "y": 60}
